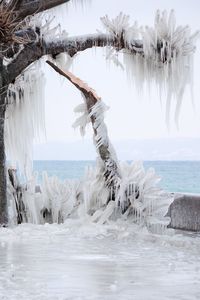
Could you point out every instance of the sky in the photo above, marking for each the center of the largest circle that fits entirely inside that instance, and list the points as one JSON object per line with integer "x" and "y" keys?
{"x": 133, "y": 115}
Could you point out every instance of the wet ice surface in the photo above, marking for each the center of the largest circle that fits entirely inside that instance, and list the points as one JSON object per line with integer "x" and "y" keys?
{"x": 76, "y": 261}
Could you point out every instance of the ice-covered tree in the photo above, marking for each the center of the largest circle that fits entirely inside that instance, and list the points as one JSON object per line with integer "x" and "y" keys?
{"x": 162, "y": 53}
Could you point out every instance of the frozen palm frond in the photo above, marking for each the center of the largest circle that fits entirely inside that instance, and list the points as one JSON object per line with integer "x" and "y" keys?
{"x": 25, "y": 117}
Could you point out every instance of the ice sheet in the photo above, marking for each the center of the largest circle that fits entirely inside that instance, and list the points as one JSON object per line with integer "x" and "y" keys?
{"x": 89, "y": 261}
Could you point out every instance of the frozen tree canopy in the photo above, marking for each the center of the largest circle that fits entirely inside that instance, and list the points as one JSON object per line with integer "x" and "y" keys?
{"x": 162, "y": 54}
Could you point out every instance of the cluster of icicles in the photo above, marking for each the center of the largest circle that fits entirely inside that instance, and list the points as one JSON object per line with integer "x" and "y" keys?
{"x": 162, "y": 54}
{"x": 25, "y": 117}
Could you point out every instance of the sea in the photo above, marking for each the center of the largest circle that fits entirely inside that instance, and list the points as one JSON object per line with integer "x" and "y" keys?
{"x": 176, "y": 176}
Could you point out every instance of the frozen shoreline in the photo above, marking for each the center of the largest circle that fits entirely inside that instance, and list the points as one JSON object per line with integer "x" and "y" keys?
{"x": 79, "y": 260}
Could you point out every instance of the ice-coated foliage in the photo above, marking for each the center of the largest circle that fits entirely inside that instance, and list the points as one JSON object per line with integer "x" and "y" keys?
{"x": 82, "y": 121}
{"x": 119, "y": 27}
{"x": 136, "y": 195}
{"x": 88, "y": 198}
{"x": 25, "y": 117}
{"x": 162, "y": 54}
{"x": 97, "y": 113}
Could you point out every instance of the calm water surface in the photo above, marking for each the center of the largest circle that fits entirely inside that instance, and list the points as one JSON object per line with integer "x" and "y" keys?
{"x": 177, "y": 176}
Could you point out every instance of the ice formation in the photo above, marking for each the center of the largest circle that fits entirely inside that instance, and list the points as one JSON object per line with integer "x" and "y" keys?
{"x": 87, "y": 198}
{"x": 25, "y": 117}
{"x": 136, "y": 195}
{"x": 83, "y": 119}
{"x": 162, "y": 54}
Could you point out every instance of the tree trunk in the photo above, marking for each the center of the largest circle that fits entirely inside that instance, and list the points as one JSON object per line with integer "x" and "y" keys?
{"x": 3, "y": 185}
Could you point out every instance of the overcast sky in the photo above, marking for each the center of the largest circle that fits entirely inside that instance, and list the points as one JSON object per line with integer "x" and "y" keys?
{"x": 132, "y": 115}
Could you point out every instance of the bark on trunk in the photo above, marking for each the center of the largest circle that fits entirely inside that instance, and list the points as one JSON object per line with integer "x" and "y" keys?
{"x": 3, "y": 185}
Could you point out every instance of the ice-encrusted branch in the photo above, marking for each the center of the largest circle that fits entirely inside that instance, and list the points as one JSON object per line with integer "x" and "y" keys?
{"x": 162, "y": 53}
{"x": 94, "y": 109}
{"x": 165, "y": 56}
{"x": 165, "y": 42}
{"x": 70, "y": 45}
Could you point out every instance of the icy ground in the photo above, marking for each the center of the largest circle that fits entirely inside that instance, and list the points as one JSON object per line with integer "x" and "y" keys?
{"x": 79, "y": 260}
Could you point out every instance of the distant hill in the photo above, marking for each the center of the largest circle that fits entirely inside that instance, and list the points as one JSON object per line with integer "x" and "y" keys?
{"x": 148, "y": 149}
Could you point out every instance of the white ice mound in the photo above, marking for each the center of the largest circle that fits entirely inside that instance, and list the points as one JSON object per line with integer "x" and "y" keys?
{"x": 138, "y": 199}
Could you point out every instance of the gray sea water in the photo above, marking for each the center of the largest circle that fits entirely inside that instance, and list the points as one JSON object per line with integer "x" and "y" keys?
{"x": 177, "y": 176}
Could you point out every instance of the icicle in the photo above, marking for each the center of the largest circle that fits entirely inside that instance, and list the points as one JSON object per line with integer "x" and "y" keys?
{"x": 25, "y": 117}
